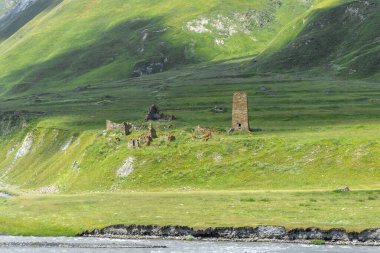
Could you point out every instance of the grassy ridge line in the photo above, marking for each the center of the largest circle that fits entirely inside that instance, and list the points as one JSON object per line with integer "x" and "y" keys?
{"x": 70, "y": 214}
{"x": 313, "y": 158}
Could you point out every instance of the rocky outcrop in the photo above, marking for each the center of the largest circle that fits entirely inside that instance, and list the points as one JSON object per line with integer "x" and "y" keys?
{"x": 150, "y": 67}
{"x": 25, "y": 147}
{"x": 369, "y": 235}
{"x": 127, "y": 168}
{"x": 260, "y": 233}
{"x": 15, "y": 7}
{"x": 141, "y": 230}
{"x": 218, "y": 109}
{"x": 6, "y": 5}
{"x": 270, "y": 232}
{"x": 225, "y": 232}
{"x": 306, "y": 234}
{"x": 5, "y": 195}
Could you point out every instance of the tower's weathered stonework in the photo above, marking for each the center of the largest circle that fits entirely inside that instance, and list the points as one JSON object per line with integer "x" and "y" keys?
{"x": 240, "y": 121}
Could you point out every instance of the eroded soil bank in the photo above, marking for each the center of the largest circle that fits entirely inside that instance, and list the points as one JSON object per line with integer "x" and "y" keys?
{"x": 370, "y": 237}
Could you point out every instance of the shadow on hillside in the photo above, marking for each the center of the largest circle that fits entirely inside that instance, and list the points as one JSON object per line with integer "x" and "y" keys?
{"x": 11, "y": 22}
{"x": 340, "y": 40}
{"x": 138, "y": 45}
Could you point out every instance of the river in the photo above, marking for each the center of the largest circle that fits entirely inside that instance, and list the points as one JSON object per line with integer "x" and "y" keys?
{"x": 11, "y": 244}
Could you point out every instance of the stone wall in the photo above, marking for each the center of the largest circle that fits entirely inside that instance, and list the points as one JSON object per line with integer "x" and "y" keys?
{"x": 124, "y": 127}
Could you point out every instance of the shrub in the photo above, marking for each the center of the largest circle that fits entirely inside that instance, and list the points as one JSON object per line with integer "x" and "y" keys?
{"x": 249, "y": 200}
{"x": 318, "y": 242}
{"x": 189, "y": 238}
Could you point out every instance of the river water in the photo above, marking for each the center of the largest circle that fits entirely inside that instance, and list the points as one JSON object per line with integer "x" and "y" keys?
{"x": 10, "y": 244}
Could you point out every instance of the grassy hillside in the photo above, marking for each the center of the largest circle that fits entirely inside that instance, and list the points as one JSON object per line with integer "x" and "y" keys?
{"x": 137, "y": 35}
{"x": 338, "y": 40}
{"x": 90, "y": 74}
{"x": 312, "y": 158}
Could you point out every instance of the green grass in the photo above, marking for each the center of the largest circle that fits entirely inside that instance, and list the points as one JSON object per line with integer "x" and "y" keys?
{"x": 71, "y": 214}
{"x": 107, "y": 48}
{"x": 307, "y": 158}
{"x": 324, "y": 46}
{"x": 318, "y": 242}
{"x": 274, "y": 104}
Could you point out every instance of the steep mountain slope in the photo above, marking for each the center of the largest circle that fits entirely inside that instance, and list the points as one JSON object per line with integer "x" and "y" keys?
{"x": 342, "y": 40}
{"x": 56, "y": 160}
{"x": 6, "y": 5}
{"x": 20, "y": 14}
{"x": 87, "y": 41}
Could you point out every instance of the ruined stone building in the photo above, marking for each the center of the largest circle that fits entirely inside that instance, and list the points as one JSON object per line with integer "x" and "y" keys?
{"x": 144, "y": 140}
{"x": 155, "y": 114}
{"x": 152, "y": 132}
{"x": 240, "y": 121}
{"x": 124, "y": 127}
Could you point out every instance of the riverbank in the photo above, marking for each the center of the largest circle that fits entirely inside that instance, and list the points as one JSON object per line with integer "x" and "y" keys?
{"x": 336, "y": 236}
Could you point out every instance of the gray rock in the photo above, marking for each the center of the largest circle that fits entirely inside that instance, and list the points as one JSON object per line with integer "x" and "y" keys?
{"x": 305, "y": 234}
{"x": 369, "y": 235}
{"x": 336, "y": 234}
{"x": 227, "y": 232}
{"x": 270, "y": 232}
{"x": 218, "y": 109}
{"x": 142, "y": 230}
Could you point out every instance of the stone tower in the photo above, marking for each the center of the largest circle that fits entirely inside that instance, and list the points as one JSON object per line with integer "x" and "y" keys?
{"x": 240, "y": 120}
